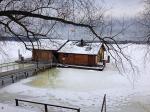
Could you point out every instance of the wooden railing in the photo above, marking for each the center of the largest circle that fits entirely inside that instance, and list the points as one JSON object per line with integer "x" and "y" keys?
{"x": 13, "y": 66}
{"x": 10, "y": 66}
{"x": 103, "y": 109}
{"x": 46, "y": 105}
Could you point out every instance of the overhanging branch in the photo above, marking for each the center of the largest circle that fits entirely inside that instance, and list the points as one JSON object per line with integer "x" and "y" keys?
{"x": 29, "y": 14}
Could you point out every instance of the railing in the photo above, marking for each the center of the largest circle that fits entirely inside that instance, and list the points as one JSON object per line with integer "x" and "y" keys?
{"x": 10, "y": 66}
{"x": 13, "y": 66}
{"x": 11, "y": 71}
{"x": 103, "y": 109}
{"x": 46, "y": 105}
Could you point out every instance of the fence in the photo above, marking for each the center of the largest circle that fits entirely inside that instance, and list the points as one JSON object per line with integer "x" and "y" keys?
{"x": 24, "y": 71}
{"x": 11, "y": 66}
{"x": 103, "y": 109}
{"x": 46, "y": 105}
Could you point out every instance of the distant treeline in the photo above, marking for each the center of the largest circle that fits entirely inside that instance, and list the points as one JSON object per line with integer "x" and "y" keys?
{"x": 17, "y": 40}
{"x": 128, "y": 41}
{"x": 33, "y": 39}
{"x": 118, "y": 41}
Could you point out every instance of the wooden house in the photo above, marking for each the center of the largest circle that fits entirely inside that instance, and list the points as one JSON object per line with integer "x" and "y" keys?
{"x": 46, "y": 50}
{"x": 81, "y": 53}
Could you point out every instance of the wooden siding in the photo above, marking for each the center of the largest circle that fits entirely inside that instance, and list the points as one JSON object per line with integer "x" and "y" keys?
{"x": 41, "y": 55}
{"x": 77, "y": 59}
{"x": 100, "y": 55}
{"x": 68, "y": 58}
{"x": 92, "y": 60}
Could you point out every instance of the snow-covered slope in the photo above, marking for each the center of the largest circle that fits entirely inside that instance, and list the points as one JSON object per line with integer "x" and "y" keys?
{"x": 8, "y": 108}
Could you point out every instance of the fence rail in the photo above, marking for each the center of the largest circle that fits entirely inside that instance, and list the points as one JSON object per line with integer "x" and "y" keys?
{"x": 10, "y": 66}
{"x": 46, "y": 105}
{"x": 12, "y": 75}
{"x": 103, "y": 109}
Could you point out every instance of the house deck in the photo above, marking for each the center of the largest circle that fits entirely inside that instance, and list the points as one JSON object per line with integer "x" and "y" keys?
{"x": 98, "y": 68}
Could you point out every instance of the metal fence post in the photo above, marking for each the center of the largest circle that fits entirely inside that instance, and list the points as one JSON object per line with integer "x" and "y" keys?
{"x": 78, "y": 110}
{"x": 105, "y": 102}
{"x": 12, "y": 79}
{"x": 46, "y": 109}
{"x": 16, "y": 100}
{"x": 2, "y": 82}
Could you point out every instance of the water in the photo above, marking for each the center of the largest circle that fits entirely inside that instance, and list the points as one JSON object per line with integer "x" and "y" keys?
{"x": 46, "y": 79}
{"x": 75, "y": 80}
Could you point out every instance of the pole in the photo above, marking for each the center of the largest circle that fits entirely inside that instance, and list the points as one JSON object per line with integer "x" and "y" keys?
{"x": 16, "y": 100}
{"x": 105, "y": 102}
{"x": 78, "y": 110}
{"x": 46, "y": 109}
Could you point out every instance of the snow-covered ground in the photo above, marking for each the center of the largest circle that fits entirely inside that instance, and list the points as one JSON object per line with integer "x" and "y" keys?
{"x": 128, "y": 92}
{"x": 8, "y": 108}
{"x": 9, "y": 51}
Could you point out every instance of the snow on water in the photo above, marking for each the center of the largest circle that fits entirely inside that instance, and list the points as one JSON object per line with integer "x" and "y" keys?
{"x": 85, "y": 88}
{"x": 7, "y": 108}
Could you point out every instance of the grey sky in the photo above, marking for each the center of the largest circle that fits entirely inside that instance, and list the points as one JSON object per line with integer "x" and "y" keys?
{"x": 128, "y": 8}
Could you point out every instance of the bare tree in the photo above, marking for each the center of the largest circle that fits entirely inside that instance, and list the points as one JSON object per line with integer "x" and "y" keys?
{"x": 33, "y": 18}
{"x": 145, "y": 20}
{"x": 144, "y": 26}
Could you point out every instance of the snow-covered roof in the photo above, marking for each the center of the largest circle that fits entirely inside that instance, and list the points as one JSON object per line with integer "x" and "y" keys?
{"x": 74, "y": 48}
{"x": 48, "y": 44}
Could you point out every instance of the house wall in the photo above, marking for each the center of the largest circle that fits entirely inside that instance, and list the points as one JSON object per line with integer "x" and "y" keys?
{"x": 41, "y": 55}
{"x": 100, "y": 55}
{"x": 77, "y": 59}
{"x": 66, "y": 58}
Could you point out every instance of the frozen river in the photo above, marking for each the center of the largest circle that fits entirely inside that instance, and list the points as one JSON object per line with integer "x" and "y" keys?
{"x": 85, "y": 88}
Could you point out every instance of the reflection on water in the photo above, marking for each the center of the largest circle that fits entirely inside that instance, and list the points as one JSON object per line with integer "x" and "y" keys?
{"x": 45, "y": 79}
{"x": 76, "y": 80}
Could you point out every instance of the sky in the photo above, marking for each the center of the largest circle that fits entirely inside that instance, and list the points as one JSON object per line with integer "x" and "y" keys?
{"x": 126, "y": 8}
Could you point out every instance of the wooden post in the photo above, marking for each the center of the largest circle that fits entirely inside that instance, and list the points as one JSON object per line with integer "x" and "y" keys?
{"x": 16, "y": 100}
{"x": 46, "y": 109}
{"x": 78, "y": 110}
{"x": 2, "y": 82}
{"x": 108, "y": 59}
{"x": 104, "y": 104}
{"x": 27, "y": 74}
{"x": 104, "y": 63}
{"x": 12, "y": 79}
{"x": 35, "y": 71}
